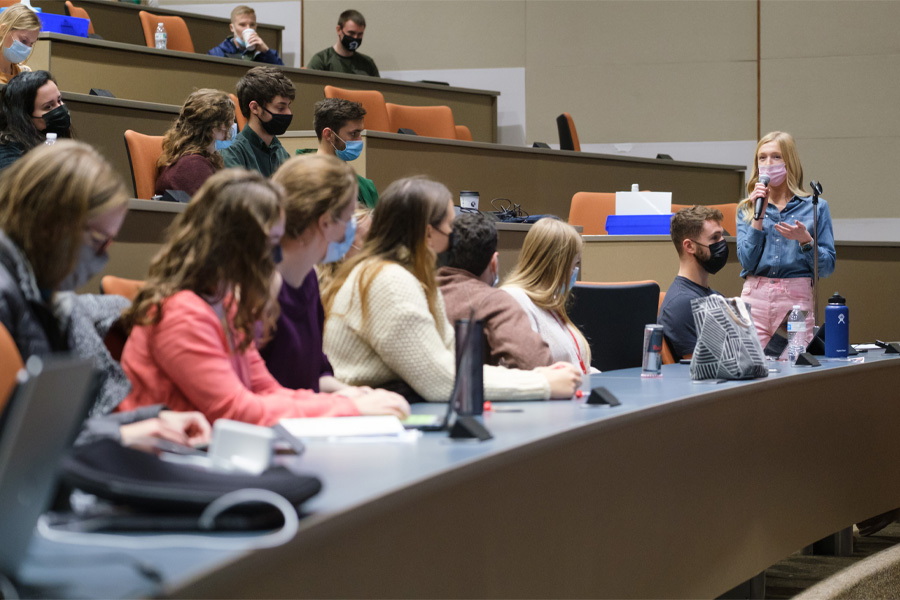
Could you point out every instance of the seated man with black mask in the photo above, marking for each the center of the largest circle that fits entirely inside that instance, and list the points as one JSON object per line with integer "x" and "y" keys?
{"x": 468, "y": 282}
{"x": 699, "y": 238}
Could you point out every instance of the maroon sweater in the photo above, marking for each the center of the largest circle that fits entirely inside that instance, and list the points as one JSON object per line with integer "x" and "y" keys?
{"x": 187, "y": 173}
{"x": 511, "y": 341}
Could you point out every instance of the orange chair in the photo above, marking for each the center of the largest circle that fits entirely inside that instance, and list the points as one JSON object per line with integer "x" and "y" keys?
{"x": 8, "y": 3}
{"x": 177, "y": 35}
{"x": 729, "y": 215}
{"x": 80, "y": 13}
{"x": 463, "y": 133}
{"x": 590, "y": 209}
{"x": 239, "y": 117}
{"x": 677, "y": 207}
{"x": 667, "y": 357}
{"x": 119, "y": 286}
{"x": 10, "y": 363}
{"x": 377, "y": 118}
{"x": 568, "y": 137}
{"x": 143, "y": 152}
{"x": 428, "y": 121}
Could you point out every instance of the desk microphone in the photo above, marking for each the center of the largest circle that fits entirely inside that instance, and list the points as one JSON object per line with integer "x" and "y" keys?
{"x": 757, "y": 212}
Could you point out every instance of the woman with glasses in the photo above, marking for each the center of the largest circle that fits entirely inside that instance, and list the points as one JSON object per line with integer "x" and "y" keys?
{"x": 190, "y": 149}
{"x": 195, "y": 322}
{"x": 31, "y": 106}
{"x": 60, "y": 207}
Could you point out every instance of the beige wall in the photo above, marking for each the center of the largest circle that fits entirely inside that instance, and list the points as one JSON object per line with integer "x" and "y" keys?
{"x": 674, "y": 71}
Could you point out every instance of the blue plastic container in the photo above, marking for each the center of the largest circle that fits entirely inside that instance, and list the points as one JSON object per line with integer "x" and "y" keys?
{"x": 63, "y": 24}
{"x": 638, "y": 224}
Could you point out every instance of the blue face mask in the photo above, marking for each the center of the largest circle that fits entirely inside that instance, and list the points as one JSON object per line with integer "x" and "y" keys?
{"x": 573, "y": 279}
{"x": 337, "y": 250}
{"x": 16, "y": 53}
{"x": 351, "y": 150}
{"x": 222, "y": 144}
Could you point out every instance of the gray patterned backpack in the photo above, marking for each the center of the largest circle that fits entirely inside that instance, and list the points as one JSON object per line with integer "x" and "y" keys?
{"x": 727, "y": 344}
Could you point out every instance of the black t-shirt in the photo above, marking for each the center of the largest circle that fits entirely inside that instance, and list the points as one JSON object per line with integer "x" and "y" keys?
{"x": 676, "y": 316}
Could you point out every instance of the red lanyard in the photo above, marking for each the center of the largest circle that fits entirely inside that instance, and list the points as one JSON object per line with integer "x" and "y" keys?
{"x": 571, "y": 333}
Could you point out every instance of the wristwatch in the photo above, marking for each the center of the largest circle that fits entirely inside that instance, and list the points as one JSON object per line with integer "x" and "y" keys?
{"x": 806, "y": 247}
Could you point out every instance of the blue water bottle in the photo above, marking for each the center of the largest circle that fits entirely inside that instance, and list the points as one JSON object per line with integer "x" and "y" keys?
{"x": 837, "y": 327}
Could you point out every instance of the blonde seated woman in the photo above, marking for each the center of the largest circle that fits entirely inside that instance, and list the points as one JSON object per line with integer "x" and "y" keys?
{"x": 386, "y": 320}
{"x": 542, "y": 282}
{"x": 19, "y": 29}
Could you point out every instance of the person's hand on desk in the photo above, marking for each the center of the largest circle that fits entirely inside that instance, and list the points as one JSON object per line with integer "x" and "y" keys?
{"x": 187, "y": 428}
{"x": 564, "y": 379}
{"x": 377, "y": 402}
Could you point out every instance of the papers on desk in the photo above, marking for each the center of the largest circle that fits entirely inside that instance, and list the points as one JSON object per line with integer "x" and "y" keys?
{"x": 350, "y": 429}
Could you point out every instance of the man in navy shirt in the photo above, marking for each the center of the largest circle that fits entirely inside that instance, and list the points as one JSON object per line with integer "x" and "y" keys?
{"x": 253, "y": 48}
{"x": 699, "y": 238}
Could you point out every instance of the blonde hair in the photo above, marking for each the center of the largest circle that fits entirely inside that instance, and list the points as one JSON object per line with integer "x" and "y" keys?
{"x": 545, "y": 268}
{"x": 314, "y": 186}
{"x": 397, "y": 235}
{"x": 791, "y": 165}
{"x": 204, "y": 111}
{"x": 220, "y": 242}
{"x": 17, "y": 17}
{"x": 237, "y": 11}
{"x": 47, "y": 197}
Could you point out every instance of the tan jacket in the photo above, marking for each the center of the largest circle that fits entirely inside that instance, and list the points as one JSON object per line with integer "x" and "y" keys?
{"x": 510, "y": 339}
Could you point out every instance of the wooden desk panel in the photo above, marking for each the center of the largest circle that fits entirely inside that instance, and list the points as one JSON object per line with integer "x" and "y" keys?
{"x": 542, "y": 181}
{"x": 119, "y": 22}
{"x": 167, "y": 77}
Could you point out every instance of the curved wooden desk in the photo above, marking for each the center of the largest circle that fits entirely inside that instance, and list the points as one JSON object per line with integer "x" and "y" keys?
{"x": 685, "y": 490}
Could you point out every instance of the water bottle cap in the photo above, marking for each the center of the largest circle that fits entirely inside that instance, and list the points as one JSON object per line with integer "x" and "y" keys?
{"x": 797, "y": 307}
{"x": 635, "y": 187}
{"x": 51, "y": 136}
{"x": 837, "y": 299}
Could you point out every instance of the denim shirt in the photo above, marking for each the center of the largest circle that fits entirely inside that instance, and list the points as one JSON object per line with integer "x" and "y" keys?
{"x": 767, "y": 253}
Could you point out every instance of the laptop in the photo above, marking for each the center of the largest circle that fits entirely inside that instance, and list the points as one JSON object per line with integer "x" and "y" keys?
{"x": 40, "y": 422}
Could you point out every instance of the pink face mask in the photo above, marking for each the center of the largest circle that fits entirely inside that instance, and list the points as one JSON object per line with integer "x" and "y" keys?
{"x": 777, "y": 173}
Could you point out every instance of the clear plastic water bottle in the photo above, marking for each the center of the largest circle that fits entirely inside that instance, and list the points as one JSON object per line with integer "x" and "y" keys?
{"x": 796, "y": 333}
{"x": 50, "y": 140}
{"x": 160, "y": 36}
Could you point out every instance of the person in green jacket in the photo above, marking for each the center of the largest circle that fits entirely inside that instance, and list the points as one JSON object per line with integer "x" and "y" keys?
{"x": 339, "y": 125}
{"x": 343, "y": 56}
{"x": 264, "y": 97}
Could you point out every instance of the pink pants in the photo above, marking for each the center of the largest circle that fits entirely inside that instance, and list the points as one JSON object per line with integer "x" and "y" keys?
{"x": 771, "y": 299}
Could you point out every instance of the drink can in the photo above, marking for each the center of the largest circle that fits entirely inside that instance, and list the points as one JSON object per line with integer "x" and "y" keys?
{"x": 653, "y": 340}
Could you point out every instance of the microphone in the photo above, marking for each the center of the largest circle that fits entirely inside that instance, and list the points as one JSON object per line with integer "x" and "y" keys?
{"x": 757, "y": 212}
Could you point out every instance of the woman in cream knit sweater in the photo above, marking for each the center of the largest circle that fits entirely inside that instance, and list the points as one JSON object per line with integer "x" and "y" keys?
{"x": 386, "y": 318}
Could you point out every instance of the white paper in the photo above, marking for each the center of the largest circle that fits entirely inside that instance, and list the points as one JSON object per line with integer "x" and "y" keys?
{"x": 643, "y": 203}
{"x": 329, "y": 427}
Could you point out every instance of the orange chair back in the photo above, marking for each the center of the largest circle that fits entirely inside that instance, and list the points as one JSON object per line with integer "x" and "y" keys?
{"x": 729, "y": 214}
{"x": 677, "y": 207}
{"x": 376, "y": 118}
{"x": 80, "y": 13}
{"x": 10, "y": 363}
{"x": 590, "y": 209}
{"x": 239, "y": 117}
{"x": 428, "y": 121}
{"x": 568, "y": 136}
{"x": 463, "y": 133}
{"x": 177, "y": 35}
{"x": 8, "y": 3}
{"x": 143, "y": 152}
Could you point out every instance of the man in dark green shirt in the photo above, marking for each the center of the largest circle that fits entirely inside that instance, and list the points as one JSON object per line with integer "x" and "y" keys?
{"x": 265, "y": 96}
{"x": 339, "y": 126}
{"x": 343, "y": 57}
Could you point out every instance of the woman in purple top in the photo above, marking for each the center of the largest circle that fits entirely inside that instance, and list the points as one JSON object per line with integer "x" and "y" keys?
{"x": 320, "y": 227}
{"x": 190, "y": 149}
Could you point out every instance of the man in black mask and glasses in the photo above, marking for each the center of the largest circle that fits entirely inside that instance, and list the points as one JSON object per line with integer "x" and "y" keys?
{"x": 699, "y": 238}
{"x": 344, "y": 55}
{"x": 264, "y": 95}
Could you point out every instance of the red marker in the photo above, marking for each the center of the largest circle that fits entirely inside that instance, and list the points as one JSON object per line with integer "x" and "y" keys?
{"x": 487, "y": 406}
{"x": 579, "y": 394}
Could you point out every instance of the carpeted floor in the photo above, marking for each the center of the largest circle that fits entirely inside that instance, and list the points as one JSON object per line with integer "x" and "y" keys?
{"x": 789, "y": 577}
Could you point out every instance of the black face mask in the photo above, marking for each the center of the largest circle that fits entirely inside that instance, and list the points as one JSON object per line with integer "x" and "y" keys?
{"x": 278, "y": 124}
{"x": 277, "y": 255}
{"x": 349, "y": 43}
{"x": 718, "y": 256}
{"x": 58, "y": 121}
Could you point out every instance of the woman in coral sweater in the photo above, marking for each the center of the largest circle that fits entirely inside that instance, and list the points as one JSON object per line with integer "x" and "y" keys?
{"x": 193, "y": 324}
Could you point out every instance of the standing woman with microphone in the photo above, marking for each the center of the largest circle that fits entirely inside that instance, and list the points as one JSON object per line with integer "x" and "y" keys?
{"x": 775, "y": 241}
